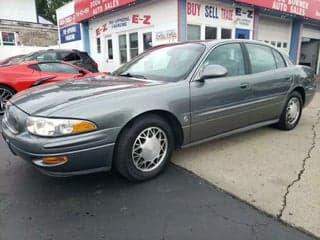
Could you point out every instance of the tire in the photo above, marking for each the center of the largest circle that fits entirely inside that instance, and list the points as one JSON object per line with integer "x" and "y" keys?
{"x": 289, "y": 120}
{"x": 144, "y": 148}
{"x": 5, "y": 94}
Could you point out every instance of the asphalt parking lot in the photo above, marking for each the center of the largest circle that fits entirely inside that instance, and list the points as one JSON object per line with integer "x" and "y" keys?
{"x": 176, "y": 205}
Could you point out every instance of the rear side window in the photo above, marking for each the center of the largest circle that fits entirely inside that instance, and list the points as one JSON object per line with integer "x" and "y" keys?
{"x": 230, "y": 56}
{"x": 261, "y": 58}
{"x": 47, "y": 56}
{"x": 279, "y": 59}
{"x": 71, "y": 57}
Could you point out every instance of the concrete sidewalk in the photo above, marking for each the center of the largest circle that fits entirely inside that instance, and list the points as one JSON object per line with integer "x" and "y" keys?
{"x": 276, "y": 171}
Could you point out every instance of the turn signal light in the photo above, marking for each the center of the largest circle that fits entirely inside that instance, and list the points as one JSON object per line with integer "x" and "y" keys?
{"x": 54, "y": 160}
{"x": 83, "y": 126}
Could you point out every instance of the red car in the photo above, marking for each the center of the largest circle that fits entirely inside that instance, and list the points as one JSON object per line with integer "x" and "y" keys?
{"x": 15, "y": 78}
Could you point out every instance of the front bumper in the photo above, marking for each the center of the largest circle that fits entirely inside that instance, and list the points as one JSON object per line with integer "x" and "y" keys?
{"x": 86, "y": 153}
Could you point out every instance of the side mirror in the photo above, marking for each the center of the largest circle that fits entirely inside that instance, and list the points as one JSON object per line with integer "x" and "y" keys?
{"x": 213, "y": 71}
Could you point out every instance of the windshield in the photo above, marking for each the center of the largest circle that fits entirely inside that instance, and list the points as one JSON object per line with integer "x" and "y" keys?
{"x": 171, "y": 63}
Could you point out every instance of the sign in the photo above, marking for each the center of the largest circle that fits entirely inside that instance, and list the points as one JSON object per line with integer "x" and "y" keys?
{"x": 219, "y": 14}
{"x": 85, "y": 9}
{"x": 306, "y": 8}
{"x": 67, "y": 20}
{"x": 70, "y": 33}
{"x": 124, "y": 23}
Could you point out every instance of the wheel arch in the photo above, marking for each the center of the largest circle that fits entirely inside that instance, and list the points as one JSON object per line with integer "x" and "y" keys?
{"x": 302, "y": 92}
{"x": 169, "y": 117}
{"x": 8, "y": 86}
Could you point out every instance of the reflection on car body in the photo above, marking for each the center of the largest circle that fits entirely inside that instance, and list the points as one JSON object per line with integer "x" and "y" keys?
{"x": 169, "y": 97}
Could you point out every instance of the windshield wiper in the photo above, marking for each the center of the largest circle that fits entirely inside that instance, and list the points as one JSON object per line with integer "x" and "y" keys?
{"x": 129, "y": 75}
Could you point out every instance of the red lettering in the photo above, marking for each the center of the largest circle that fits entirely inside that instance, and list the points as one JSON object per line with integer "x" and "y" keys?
{"x": 135, "y": 18}
{"x": 147, "y": 19}
{"x": 193, "y": 8}
{"x": 104, "y": 27}
{"x": 97, "y": 31}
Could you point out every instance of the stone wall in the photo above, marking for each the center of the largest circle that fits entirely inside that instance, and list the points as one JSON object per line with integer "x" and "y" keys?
{"x": 31, "y": 34}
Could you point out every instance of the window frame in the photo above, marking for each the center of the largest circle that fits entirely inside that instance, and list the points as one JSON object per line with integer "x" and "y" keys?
{"x": 125, "y": 36}
{"x": 130, "y": 44}
{"x": 194, "y": 25}
{"x": 205, "y": 32}
{"x": 3, "y": 42}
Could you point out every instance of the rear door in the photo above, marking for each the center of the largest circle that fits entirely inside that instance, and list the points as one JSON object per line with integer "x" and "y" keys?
{"x": 270, "y": 81}
{"x": 219, "y": 105}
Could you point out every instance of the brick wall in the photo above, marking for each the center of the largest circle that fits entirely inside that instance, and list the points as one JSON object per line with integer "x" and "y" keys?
{"x": 31, "y": 34}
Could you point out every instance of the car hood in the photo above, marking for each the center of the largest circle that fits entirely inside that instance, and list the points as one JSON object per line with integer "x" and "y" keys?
{"x": 49, "y": 97}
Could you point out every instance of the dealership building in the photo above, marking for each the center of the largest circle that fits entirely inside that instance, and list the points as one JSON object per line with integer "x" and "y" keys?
{"x": 115, "y": 31}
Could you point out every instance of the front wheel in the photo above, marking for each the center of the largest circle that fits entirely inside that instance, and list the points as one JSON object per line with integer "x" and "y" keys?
{"x": 144, "y": 148}
{"x": 292, "y": 112}
{"x": 5, "y": 94}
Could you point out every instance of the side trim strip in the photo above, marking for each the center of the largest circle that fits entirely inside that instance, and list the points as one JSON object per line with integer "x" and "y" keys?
{"x": 236, "y": 131}
{"x": 238, "y": 106}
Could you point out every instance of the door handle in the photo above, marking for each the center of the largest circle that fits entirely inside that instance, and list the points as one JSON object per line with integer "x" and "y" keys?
{"x": 244, "y": 86}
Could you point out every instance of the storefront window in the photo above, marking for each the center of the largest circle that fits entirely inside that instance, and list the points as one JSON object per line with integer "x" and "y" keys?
{"x": 8, "y": 39}
{"x": 98, "y": 45}
{"x": 226, "y": 33}
{"x": 134, "y": 50}
{"x": 194, "y": 32}
{"x": 147, "y": 40}
{"x": 110, "y": 49}
{"x": 211, "y": 33}
{"x": 123, "y": 48}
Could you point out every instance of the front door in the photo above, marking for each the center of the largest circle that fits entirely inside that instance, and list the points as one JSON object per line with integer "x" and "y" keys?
{"x": 109, "y": 54}
{"x": 219, "y": 105}
{"x": 242, "y": 33}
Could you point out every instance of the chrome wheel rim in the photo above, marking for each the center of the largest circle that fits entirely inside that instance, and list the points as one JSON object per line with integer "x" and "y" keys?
{"x": 293, "y": 110}
{"x": 5, "y": 95}
{"x": 149, "y": 149}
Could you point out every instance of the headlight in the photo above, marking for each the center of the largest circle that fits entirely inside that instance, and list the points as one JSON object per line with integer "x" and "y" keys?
{"x": 52, "y": 127}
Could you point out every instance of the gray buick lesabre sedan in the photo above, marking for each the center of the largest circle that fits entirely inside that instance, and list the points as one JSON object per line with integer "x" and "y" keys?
{"x": 169, "y": 97}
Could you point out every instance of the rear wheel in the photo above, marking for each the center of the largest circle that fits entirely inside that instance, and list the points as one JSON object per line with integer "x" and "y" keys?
{"x": 5, "y": 94}
{"x": 292, "y": 112}
{"x": 144, "y": 149}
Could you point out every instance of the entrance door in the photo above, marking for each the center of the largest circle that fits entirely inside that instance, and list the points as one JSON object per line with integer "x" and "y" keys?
{"x": 242, "y": 33}
{"x": 109, "y": 54}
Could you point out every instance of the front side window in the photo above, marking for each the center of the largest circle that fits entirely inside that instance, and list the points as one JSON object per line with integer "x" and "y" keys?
{"x": 123, "y": 48}
{"x": 230, "y": 56}
{"x": 133, "y": 44}
{"x": 194, "y": 32}
{"x": 261, "y": 58}
{"x": 8, "y": 38}
{"x": 57, "y": 67}
{"x": 170, "y": 63}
